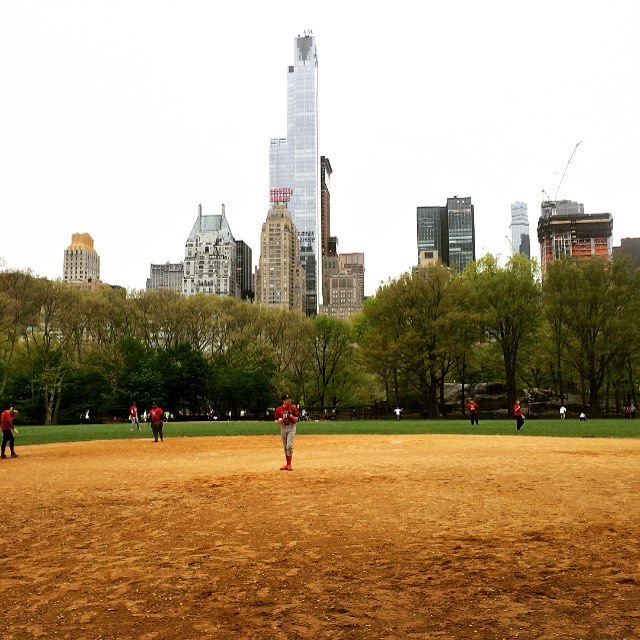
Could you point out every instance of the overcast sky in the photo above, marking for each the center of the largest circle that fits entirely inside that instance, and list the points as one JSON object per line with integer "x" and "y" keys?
{"x": 118, "y": 118}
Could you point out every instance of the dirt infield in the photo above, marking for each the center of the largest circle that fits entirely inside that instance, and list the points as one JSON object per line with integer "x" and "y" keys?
{"x": 369, "y": 537}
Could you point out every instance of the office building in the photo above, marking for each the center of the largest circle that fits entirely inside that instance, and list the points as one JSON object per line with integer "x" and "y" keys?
{"x": 325, "y": 204}
{"x": 565, "y": 230}
{"x": 294, "y": 161}
{"x": 353, "y": 264}
{"x": 166, "y": 276}
{"x": 519, "y": 228}
{"x": 210, "y": 262}
{"x": 447, "y": 233}
{"x": 345, "y": 296}
{"x": 244, "y": 270}
{"x": 81, "y": 262}
{"x": 629, "y": 247}
{"x": 279, "y": 277}
{"x": 329, "y": 243}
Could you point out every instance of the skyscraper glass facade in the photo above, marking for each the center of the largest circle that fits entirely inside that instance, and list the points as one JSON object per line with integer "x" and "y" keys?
{"x": 448, "y": 232}
{"x": 430, "y": 229}
{"x": 520, "y": 228}
{"x": 294, "y": 161}
{"x": 461, "y": 232}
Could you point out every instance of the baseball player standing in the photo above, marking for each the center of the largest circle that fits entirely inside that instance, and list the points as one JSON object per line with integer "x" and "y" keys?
{"x": 286, "y": 415}
{"x": 133, "y": 416}
{"x": 6, "y": 421}
{"x": 156, "y": 422}
{"x": 517, "y": 414}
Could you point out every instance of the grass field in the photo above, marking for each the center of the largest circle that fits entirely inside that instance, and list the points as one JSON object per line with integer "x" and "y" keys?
{"x": 605, "y": 428}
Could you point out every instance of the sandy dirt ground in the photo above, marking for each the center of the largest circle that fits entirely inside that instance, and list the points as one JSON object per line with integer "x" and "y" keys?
{"x": 370, "y": 537}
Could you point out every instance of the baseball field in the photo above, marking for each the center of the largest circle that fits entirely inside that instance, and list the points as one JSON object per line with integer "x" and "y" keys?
{"x": 370, "y": 537}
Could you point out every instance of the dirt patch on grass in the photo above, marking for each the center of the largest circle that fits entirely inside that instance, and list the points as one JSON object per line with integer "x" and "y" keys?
{"x": 445, "y": 537}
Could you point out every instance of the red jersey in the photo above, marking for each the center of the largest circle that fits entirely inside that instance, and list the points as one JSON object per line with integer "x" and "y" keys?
{"x": 6, "y": 420}
{"x": 134, "y": 411}
{"x": 156, "y": 414}
{"x": 517, "y": 410}
{"x": 473, "y": 407}
{"x": 284, "y": 413}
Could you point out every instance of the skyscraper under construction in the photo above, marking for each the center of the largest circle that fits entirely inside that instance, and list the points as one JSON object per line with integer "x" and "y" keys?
{"x": 565, "y": 230}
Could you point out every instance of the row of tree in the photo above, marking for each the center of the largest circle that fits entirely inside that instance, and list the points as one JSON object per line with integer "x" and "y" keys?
{"x": 63, "y": 349}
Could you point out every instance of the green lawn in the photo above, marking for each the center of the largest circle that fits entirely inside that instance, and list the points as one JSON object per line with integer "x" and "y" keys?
{"x": 605, "y": 428}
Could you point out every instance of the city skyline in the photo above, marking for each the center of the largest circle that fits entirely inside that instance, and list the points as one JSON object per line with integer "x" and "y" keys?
{"x": 118, "y": 120}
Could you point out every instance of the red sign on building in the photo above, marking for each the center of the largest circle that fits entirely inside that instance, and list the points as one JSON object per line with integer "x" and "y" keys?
{"x": 280, "y": 196}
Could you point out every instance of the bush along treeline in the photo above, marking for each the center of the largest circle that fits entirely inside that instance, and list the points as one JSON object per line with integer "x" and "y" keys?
{"x": 64, "y": 349}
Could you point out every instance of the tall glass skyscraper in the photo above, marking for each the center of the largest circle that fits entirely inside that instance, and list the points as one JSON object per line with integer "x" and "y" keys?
{"x": 520, "y": 228}
{"x": 461, "y": 231}
{"x": 294, "y": 162}
{"x": 448, "y": 234}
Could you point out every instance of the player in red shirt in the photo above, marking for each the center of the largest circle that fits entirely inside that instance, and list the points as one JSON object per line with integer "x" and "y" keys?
{"x": 517, "y": 414}
{"x": 286, "y": 415}
{"x": 133, "y": 416}
{"x": 473, "y": 411}
{"x": 6, "y": 422}
{"x": 156, "y": 422}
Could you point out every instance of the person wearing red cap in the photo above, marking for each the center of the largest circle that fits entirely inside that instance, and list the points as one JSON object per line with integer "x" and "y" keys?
{"x": 286, "y": 415}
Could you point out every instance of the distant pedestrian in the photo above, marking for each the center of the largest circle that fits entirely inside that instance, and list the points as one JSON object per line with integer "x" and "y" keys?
{"x": 133, "y": 417}
{"x": 473, "y": 411}
{"x": 563, "y": 412}
{"x": 398, "y": 412}
{"x": 6, "y": 422}
{"x": 583, "y": 416}
{"x": 633, "y": 411}
{"x": 517, "y": 414}
{"x": 627, "y": 412}
{"x": 156, "y": 422}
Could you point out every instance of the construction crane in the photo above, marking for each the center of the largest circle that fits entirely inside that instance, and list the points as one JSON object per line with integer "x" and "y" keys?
{"x": 513, "y": 249}
{"x": 566, "y": 169}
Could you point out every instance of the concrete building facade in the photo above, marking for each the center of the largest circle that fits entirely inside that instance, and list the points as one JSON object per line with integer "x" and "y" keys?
{"x": 166, "y": 276}
{"x": 81, "y": 265}
{"x": 279, "y": 277}
{"x": 210, "y": 262}
{"x": 346, "y": 296}
{"x": 629, "y": 247}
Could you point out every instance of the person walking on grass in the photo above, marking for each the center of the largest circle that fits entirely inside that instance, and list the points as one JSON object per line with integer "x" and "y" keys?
{"x": 156, "y": 422}
{"x": 517, "y": 414}
{"x": 6, "y": 422}
{"x": 286, "y": 415}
